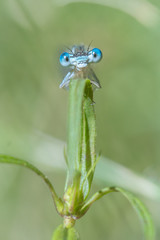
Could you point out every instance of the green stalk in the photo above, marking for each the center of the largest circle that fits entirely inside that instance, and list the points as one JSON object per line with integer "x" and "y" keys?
{"x": 81, "y": 154}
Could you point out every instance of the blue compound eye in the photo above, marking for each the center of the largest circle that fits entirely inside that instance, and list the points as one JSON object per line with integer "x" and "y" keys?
{"x": 65, "y": 59}
{"x": 95, "y": 55}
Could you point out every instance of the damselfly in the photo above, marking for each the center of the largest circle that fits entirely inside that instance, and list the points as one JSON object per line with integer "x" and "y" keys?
{"x": 79, "y": 59}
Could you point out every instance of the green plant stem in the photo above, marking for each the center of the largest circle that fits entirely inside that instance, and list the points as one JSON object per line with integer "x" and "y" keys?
{"x": 81, "y": 153}
{"x": 62, "y": 233}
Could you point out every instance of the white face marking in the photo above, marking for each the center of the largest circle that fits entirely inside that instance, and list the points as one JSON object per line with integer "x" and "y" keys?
{"x": 79, "y": 61}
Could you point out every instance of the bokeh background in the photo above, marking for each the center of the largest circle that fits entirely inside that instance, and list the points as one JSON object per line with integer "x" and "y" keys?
{"x": 33, "y": 112}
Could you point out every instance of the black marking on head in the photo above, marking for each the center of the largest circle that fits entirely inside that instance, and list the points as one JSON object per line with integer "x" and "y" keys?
{"x": 78, "y": 50}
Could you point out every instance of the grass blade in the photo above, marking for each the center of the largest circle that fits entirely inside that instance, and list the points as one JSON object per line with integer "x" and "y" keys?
{"x": 135, "y": 202}
{"x": 16, "y": 161}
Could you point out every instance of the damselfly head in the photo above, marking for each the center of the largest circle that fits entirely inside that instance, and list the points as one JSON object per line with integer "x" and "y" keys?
{"x": 80, "y": 57}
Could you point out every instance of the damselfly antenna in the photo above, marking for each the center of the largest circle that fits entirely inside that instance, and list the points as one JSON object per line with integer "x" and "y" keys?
{"x": 69, "y": 49}
{"x": 89, "y": 45}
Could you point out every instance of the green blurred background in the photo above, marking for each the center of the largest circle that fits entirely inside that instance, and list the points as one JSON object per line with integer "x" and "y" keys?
{"x": 33, "y": 111}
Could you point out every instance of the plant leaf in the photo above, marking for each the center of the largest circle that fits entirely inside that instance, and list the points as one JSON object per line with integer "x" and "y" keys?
{"x": 142, "y": 212}
{"x": 135, "y": 202}
{"x": 62, "y": 233}
{"x": 81, "y": 152}
{"x": 20, "y": 162}
{"x": 76, "y": 92}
